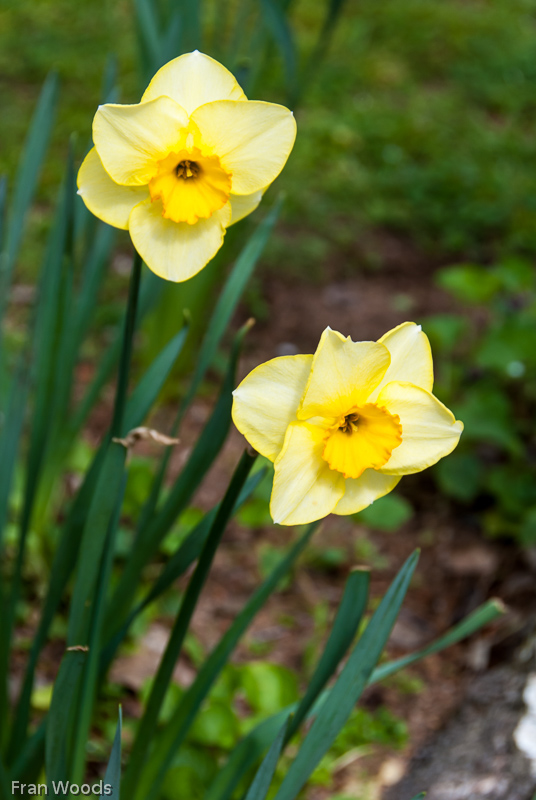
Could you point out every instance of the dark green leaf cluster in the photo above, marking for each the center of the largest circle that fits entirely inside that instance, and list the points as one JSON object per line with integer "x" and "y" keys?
{"x": 487, "y": 374}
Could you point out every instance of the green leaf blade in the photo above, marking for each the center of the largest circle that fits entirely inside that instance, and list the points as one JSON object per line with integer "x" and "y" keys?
{"x": 173, "y": 735}
{"x": 349, "y": 615}
{"x": 33, "y": 155}
{"x": 261, "y": 783}
{"x": 482, "y": 616}
{"x": 112, "y": 776}
{"x": 349, "y": 686}
{"x": 145, "y": 394}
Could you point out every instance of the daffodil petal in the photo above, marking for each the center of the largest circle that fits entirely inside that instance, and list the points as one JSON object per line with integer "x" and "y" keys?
{"x": 193, "y": 80}
{"x": 429, "y": 430}
{"x": 175, "y": 250}
{"x": 360, "y": 492}
{"x": 266, "y": 401}
{"x": 343, "y": 375}
{"x": 130, "y": 140}
{"x": 411, "y": 358}
{"x": 243, "y": 204}
{"x": 106, "y": 199}
{"x": 253, "y": 140}
{"x": 305, "y": 488}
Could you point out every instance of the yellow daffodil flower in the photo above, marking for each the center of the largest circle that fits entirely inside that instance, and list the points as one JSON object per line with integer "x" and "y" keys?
{"x": 343, "y": 425}
{"x": 193, "y": 157}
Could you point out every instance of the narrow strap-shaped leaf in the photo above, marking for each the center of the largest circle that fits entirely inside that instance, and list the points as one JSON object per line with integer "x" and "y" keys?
{"x": 108, "y": 487}
{"x": 46, "y": 336}
{"x": 98, "y": 517}
{"x": 65, "y": 698}
{"x": 9, "y": 448}
{"x": 62, "y": 715}
{"x": 246, "y": 754}
{"x": 262, "y": 780}
{"x": 88, "y": 689}
{"x": 30, "y": 758}
{"x": 148, "y": 724}
{"x": 93, "y": 267}
{"x": 123, "y": 375}
{"x": 144, "y": 395}
{"x": 190, "y": 549}
{"x": 171, "y": 37}
{"x": 349, "y": 615}
{"x": 62, "y": 567}
{"x": 10, "y": 434}
{"x": 149, "y": 38}
{"x": 173, "y": 735}
{"x": 137, "y": 408}
{"x": 83, "y": 309}
{"x": 483, "y": 615}
{"x": 159, "y": 35}
{"x": 420, "y": 796}
{"x": 149, "y": 536}
{"x": 33, "y": 155}
{"x": 150, "y": 292}
{"x": 349, "y": 686}
{"x": 177, "y": 565}
{"x": 281, "y": 31}
{"x": 345, "y": 625}
{"x": 85, "y": 602}
{"x": 250, "y": 749}
{"x": 112, "y": 776}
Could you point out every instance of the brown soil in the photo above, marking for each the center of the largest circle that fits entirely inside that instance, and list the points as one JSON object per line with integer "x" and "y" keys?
{"x": 458, "y": 570}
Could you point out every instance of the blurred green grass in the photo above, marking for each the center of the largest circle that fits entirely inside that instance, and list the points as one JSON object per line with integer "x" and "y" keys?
{"x": 420, "y": 120}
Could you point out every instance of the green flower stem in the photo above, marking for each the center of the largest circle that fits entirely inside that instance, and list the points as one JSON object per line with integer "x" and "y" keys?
{"x": 126, "y": 352}
{"x": 149, "y": 721}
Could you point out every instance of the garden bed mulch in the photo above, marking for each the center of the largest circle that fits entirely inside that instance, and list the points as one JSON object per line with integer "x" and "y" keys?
{"x": 457, "y": 571}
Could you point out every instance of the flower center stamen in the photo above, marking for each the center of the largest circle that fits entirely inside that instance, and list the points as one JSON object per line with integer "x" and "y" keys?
{"x": 190, "y": 185}
{"x": 362, "y": 439}
{"x": 187, "y": 169}
{"x": 351, "y": 421}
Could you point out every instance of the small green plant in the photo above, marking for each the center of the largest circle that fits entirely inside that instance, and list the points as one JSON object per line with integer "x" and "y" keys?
{"x": 488, "y": 374}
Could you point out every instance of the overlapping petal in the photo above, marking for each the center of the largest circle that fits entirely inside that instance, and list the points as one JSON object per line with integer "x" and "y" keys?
{"x": 106, "y": 199}
{"x": 192, "y": 80}
{"x": 243, "y": 204}
{"x": 429, "y": 430}
{"x": 305, "y": 488}
{"x": 266, "y": 401}
{"x": 176, "y": 251}
{"x": 343, "y": 374}
{"x": 411, "y": 358}
{"x": 253, "y": 140}
{"x": 130, "y": 140}
{"x": 360, "y": 492}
